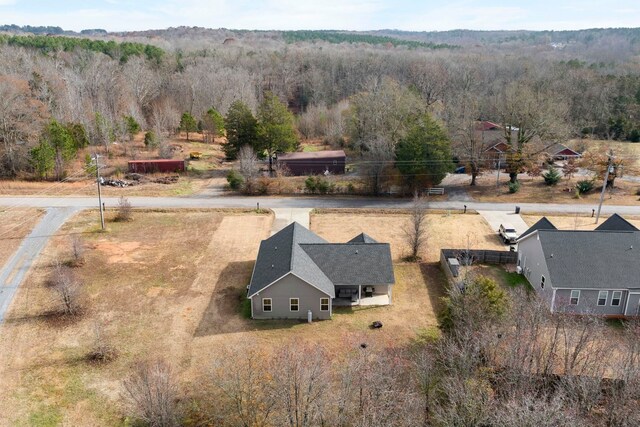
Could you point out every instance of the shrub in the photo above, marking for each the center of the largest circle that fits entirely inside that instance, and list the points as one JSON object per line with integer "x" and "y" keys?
{"x": 234, "y": 179}
{"x": 551, "y": 176}
{"x": 585, "y": 186}
{"x": 150, "y": 140}
{"x": 317, "y": 184}
{"x": 514, "y": 187}
{"x": 124, "y": 210}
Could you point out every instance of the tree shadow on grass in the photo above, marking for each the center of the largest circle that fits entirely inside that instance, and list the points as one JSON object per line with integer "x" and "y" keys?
{"x": 223, "y": 314}
{"x": 436, "y": 283}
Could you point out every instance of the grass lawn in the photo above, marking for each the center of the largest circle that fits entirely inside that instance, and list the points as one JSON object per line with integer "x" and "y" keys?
{"x": 451, "y": 231}
{"x": 168, "y": 284}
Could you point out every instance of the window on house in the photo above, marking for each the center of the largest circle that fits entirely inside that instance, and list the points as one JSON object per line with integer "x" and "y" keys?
{"x": 575, "y": 297}
{"x": 324, "y": 304}
{"x": 294, "y": 304}
{"x": 542, "y": 282}
{"x": 602, "y": 297}
{"x": 616, "y": 297}
{"x": 266, "y": 304}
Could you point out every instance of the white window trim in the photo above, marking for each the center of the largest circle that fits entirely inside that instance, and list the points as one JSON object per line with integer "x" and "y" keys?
{"x": 613, "y": 296}
{"x": 290, "y": 304}
{"x": 606, "y": 297}
{"x": 270, "y": 305}
{"x": 571, "y": 297}
{"x": 328, "y": 304}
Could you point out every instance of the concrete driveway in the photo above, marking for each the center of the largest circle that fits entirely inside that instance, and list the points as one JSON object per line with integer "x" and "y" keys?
{"x": 495, "y": 218}
{"x": 15, "y": 270}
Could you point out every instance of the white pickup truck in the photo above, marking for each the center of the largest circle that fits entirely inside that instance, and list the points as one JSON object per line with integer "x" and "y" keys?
{"x": 508, "y": 233}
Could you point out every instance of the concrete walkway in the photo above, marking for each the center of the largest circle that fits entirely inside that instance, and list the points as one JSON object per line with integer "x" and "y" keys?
{"x": 495, "y": 218}
{"x": 285, "y": 216}
{"x": 15, "y": 270}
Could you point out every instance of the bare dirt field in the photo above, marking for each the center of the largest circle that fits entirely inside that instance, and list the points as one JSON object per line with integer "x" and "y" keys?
{"x": 15, "y": 225}
{"x": 576, "y": 222}
{"x": 168, "y": 284}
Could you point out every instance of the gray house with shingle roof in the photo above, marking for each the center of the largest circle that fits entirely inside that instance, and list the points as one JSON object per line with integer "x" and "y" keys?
{"x": 585, "y": 272}
{"x": 297, "y": 271}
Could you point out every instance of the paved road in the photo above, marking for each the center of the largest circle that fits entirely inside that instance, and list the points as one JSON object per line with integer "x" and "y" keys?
{"x": 307, "y": 202}
{"x": 15, "y": 270}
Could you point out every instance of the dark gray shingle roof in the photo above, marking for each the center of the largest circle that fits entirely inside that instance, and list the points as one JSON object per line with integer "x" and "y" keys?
{"x": 353, "y": 264}
{"x": 542, "y": 224}
{"x": 294, "y": 249}
{"x": 281, "y": 254}
{"x": 363, "y": 238}
{"x": 616, "y": 223}
{"x": 592, "y": 259}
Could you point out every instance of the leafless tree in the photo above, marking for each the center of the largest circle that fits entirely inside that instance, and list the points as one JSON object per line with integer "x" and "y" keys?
{"x": 102, "y": 350}
{"x": 242, "y": 386}
{"x": 77, "y": 251}
{"x": 416, "y": 229}
{"x": 67, "y": 290}
{"x": 125, "y": 211}
{"x": 152, "y": 393}
{"x": 569, "y": 168}
{"x": 377, "y": 162}
{"x": 248, "y": 163}
{"x": 300, "y": 381}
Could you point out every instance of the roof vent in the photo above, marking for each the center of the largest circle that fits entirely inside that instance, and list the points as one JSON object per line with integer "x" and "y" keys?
{"x": 551, "y": 256}
{"x": 356, "y": 251}
{"x": 276, "y": 248}
{"x": 271, "y": 265}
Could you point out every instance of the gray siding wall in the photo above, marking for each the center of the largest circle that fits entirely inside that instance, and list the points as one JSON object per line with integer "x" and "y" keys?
{"x": 634, "y": 303}
{"x": 290, "y": 286}
{"x": 588, "y": 302}
{"x": 534, "y": 266}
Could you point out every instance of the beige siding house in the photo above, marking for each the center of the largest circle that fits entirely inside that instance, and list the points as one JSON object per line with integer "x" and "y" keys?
{"x": 298, "y": 274}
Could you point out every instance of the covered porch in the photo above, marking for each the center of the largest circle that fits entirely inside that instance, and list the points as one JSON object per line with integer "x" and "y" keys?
{"x": 347, "y": 296}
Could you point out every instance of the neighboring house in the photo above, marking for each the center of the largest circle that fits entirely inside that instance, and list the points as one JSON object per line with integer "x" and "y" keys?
{"x": 497, "y": 154}
{"x": 562, "y": 152}
{"x": 297, "y": 271}
{"x": 584, "y": 272}
{"x": 314, "y": 163}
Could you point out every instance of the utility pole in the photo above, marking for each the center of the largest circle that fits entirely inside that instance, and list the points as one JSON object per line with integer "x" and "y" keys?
{"x": 498, "y": 175}
{"x": 606, "y": 180}
{"x": 100, "y": 206}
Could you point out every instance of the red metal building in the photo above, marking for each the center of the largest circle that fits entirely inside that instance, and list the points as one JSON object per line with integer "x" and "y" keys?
{"x": 152, "y": 166}
{"x": 313, "y": 163}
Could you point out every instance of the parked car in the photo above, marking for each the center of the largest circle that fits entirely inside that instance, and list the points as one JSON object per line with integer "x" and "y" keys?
{"x": 508, "y": 233}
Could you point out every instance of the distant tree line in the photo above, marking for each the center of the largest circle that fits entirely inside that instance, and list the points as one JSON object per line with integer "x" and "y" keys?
{"x": 366, "y": 98}
{"x": 121, "y": 51}
{"x": 354, "y": 37}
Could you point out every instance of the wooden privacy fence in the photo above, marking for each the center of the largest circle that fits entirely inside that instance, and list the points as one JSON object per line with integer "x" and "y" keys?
{"x": 451, "y": 259}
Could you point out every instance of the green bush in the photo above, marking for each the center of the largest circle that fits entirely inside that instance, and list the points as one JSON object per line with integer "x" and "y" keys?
{"x": 551, "y": 176}
{"x": 317, "y": 184}
{"x": 150, "y": 140}
{"x": 234, "y": 179}
{"x": 585, "y": 186}
{"x": 514, "y": 187}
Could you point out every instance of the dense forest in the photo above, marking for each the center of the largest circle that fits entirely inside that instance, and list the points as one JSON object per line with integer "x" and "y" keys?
{"x": 345, "y": 87}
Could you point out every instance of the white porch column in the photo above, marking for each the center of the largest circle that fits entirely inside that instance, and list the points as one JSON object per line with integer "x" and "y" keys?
{"x": 359, "y": 294}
